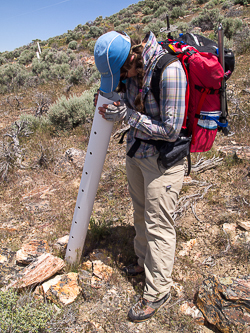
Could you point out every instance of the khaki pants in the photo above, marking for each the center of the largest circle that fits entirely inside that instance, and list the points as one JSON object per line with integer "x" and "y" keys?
{"x": 154, "y": 194}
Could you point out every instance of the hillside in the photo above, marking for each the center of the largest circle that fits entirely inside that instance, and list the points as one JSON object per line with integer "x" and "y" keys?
{"x": 46, "y": 108}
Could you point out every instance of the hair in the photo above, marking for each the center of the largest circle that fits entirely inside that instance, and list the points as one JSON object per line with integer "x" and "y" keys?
{"x": 136, "y": 51}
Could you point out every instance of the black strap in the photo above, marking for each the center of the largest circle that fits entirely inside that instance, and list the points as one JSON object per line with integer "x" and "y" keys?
{"x": 189, "y": 164}
{"x": 164, "y": 61}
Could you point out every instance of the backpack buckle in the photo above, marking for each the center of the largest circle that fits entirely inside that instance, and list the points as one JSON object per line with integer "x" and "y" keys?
{"x": 189, "y": 53}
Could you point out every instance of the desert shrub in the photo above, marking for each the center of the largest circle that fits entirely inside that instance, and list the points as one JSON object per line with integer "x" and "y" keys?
{"x": 71, "y": 55}
{"x": 147, "y": 19}
{"x": 35, "y": 123}
{"x": 135, "y": 20}
{"x": 242, "y": 2}
{"x": 91, "y": 46}
{"x": 59, "y": 71}
{"x": 160, "y": 10}
{"x": 95, "y": 32}
{"x": 150, "y": 3}
{"x": 76, "y": 75}
{"x": 227, "y": 4}
{"x": 128, "y": 13}
{"x": 2, "y": 60}
{"x": 231, "y": 26}
{"x": 177, "y": 11}
{"x": 183, "y": 27}
{"x": 207, "y": 20}
{"x": 154, "y": 27}
{"x": 117, "y": 22}
{"x": 95, "y": 76}
{"x": 72, "y": 45}
{"x": 242, "y": 40}
{"x": 69, "y": 113}
{"x": 26, "y": 57}
{"x": 147, "y": 11}
{"x": 61, "y": 58}
{"x": 23, "y": 314}
{"x": 38, "y": 66}
{"x": 200, "y": 2}
{"x": 12, "y": 76}
{"x": 9, "y": 55}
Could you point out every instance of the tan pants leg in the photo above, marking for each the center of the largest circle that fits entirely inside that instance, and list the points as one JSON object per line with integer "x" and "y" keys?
{"x": 154, "y": 195}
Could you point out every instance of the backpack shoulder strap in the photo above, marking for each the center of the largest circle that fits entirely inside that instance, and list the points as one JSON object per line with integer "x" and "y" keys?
{"x": 164, "y": 61}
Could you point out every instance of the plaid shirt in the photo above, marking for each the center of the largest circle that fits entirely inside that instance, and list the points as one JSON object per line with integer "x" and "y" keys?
{"x": 158, "y": 123}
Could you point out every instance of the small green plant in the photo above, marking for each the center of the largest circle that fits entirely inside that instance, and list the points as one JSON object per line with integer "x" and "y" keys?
{"x": 98, "y": 229}
{"x": 23, "y": 314}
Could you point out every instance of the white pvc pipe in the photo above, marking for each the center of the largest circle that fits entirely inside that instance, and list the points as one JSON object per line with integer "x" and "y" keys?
{"x": 94, "y": 160}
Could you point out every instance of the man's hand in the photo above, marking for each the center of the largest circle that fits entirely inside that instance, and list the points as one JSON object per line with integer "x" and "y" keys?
{"x": 116, "y": 111}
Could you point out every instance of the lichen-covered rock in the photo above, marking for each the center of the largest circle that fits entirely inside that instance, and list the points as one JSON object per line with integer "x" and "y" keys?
{"x": 100, "y": 255}
{"x": 101, "y": 270}
{"x": 190, "y": 309}
{"x": 187, "y": 247}
{"x": 76, "y": 156}
{"x": 61, "y": 245}
{"x": 225, "y": 302}
{"x": 31, "y": 251}
{"x": 65, "y": 290}
{"x": 84, "y": 278}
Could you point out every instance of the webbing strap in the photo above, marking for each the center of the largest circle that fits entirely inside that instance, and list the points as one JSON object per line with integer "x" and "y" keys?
{"x": 202, "y": 117}
{"x": 134, "y": 148}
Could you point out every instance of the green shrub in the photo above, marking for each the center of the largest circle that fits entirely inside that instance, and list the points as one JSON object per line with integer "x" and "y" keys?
{"x": 150, "y": 3}
{"x": 59, "y": 71}
{"x": 207, "y": 20}
{"x": 91, "y": 46}
{"x": 147, "y": 11}
{"x": 135, "y": 20}
{"x": 13, "y": 76}
{"x": 95, "y": 76}
{"x": 2, "y": 60}
{"x": 183, "y": 27}
{"x": 69, "y": 113}
{"x": 147, "y": 19}
{"x": 242, "y": 2}
{"x": 95, "y": 32}
{"x": 76, "y": 75}
{"x": 200, "y": 2}
{"x": 22, "y": 314}
{"x": 39, "y": 66}
{"x": 72, "y": 45}
{"x": 160, "y": 10}
{"x": 177, "y": 12}
{"x": 231, "y": 26}
{"x": 154, "y": 27}
{"x": 242, "y": 40}
{"x": 34, "y": 123}
{"x": 26, "y": 57}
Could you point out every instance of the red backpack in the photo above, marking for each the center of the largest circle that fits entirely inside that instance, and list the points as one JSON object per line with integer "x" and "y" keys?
{"x": 203, "y": 95}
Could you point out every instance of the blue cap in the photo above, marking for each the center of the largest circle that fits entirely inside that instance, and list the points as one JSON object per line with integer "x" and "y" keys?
{"x": 111, "y": 51}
